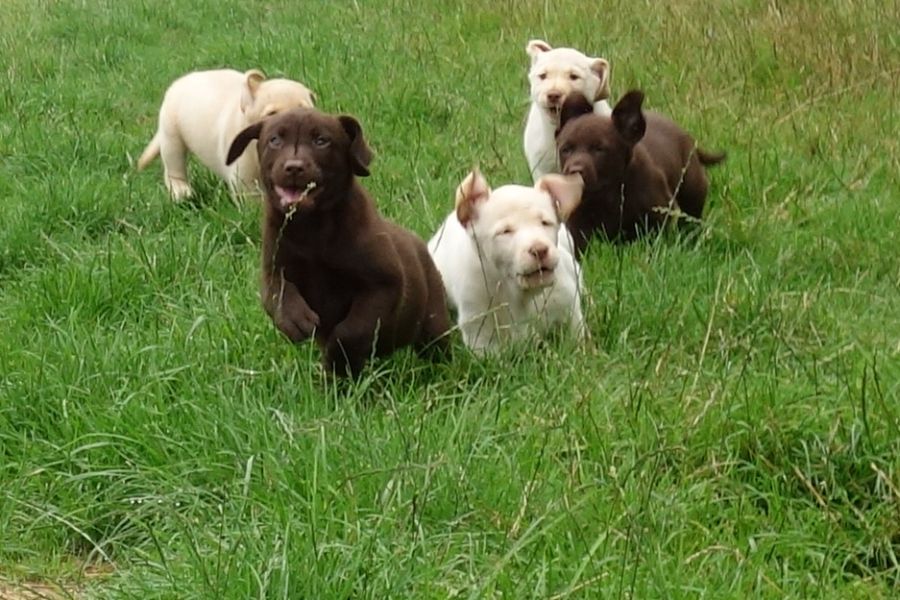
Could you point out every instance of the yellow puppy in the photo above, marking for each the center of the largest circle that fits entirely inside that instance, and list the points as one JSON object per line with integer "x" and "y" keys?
{"x": 555, "y": 74}
{"x": 203, "y": 111}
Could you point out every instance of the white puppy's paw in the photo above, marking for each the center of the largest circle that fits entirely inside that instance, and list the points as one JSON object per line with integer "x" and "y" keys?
{"x": 179, "y": 188}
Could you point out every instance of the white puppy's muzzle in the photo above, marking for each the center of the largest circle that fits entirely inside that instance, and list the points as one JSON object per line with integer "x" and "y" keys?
{"x": 537, "y": 265}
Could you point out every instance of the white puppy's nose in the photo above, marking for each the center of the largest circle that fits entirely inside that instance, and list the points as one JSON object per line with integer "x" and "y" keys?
{"x": 554, "y": 97}
{"x": 539, "y": 250}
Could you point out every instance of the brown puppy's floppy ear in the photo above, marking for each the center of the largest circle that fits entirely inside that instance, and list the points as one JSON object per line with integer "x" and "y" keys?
{"x": 628, "y": 118}
{"x": 472, "y": 191}
{"x": 564, "y": 190}
{"x": 573, "y": 106}
{"x": 600, "y": 66}
{"x": 252, "y": 80}
{"x": 536, "y": 48}
{"x": 360, "y": 154}
{"x": 242, "y": 140}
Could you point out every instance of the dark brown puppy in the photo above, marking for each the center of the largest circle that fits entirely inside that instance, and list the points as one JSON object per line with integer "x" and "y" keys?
{"x": 331, "y": 265}
{"x": 635, "y": 166}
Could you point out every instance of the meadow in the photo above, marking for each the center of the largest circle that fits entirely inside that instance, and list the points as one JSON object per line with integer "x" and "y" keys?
{"x": 732, "y": 429}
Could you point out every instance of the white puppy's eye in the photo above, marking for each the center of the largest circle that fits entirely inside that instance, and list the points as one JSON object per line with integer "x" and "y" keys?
{"x": 275, "y": 141}
{"x": 574, "y": 76}
{"x": 505, "y": 231}
{"x": 542, "y": 76}
{"x": 547, "y": 223}
{"x": 321, "y": 141}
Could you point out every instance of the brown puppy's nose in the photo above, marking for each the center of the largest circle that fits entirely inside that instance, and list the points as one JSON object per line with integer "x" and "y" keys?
{"x": 539, "y": 251}
{"x": 554, "y": 97}
{"x": 294, "y": 167}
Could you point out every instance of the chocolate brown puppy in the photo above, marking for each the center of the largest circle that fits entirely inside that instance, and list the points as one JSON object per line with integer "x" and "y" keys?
{"x": 635, "y": 164}
{"x": 331, "y": 265}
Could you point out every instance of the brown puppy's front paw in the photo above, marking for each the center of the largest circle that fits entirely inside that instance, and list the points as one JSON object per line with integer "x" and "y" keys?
{"x": 296, "y": 320}
{"x": 342, "y": 355}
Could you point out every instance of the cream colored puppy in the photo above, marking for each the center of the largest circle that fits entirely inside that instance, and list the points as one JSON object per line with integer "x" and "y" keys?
{"x": 507, "y": 261}
{"x": 555, "y": 73}
{"x": 203, "y": 111}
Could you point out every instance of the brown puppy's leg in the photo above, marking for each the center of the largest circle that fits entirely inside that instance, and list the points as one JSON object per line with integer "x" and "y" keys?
{"x": 692, "y": 193}
{"x": 434, "y": 341}
{"x": 287, "y": 308}
{"x": 650, "y": 202}
{"x": 282, "y": 300}
{"x": 694, "y": 188}
{"x": 351, "y": 342}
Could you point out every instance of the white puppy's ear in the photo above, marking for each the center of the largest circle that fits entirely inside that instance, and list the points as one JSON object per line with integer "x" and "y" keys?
{"x": 537, "y": 47}
{"x": 472, "y": 191}
{"x": 564, "y": 190}
{"x": 600, "y": 66}
{"x": 252, "y": 80}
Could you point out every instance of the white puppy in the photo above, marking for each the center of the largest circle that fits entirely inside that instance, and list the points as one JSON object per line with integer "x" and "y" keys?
{"x": 203, "y": 111}
{"x": 506, "y": 261}
{"x": 554, "y": 74}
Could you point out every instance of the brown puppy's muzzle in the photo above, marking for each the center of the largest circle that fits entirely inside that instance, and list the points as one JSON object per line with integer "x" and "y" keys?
{"x": 573, "y": 168}
{"x": 580, "y": 164}
{"x": 295, "y": 180}
{"x": 294, "y": 167}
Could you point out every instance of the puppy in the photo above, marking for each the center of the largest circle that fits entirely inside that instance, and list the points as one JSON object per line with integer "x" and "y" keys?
{"x": 554, "y": 75}
{"x": 203, "y": 111}
{"x": 636, "y": 166}
{"x": 331, "y": 265}
{"x": 507, "y": 264}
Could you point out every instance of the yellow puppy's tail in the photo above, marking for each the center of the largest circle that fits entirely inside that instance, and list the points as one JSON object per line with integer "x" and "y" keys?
{"x": 150, "y": 152}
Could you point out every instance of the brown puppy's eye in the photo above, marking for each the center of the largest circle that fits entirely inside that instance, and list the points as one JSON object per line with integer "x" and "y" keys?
{"x": 542, "y": 76}
{"x": 275, "y": 141}
{"x": 321, "y": 141}
{"x": 566, "y": 150}
{"x": 574, "y": 76}
{"x": 598, "y": 149}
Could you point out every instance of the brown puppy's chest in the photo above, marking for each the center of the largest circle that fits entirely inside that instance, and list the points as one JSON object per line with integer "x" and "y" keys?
{"x": 622, "y": 213}
{"x": 602, "y": 211}
{"x": 326, "y": 276}
{"x": 333, "y": 268}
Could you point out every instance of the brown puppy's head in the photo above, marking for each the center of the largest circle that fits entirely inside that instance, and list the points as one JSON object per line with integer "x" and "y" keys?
{"x": 307, "y": 159}
{"x": 599, "y": 148}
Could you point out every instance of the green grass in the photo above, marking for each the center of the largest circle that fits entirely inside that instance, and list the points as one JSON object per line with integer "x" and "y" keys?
{"x": 732, "y": 430}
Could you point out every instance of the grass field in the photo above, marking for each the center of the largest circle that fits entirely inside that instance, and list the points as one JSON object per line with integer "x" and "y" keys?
{"x": 731, "y": 431}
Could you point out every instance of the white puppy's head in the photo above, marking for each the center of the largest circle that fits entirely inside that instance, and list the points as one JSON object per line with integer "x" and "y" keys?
{"x": 557, "y": 72}
{"x": 516, "y": 227}
{"x": 263, "y": 97}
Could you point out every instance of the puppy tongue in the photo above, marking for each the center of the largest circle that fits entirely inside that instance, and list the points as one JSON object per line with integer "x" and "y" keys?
{"x": 292, "y": 196}
{"x": 289, "y": 196}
